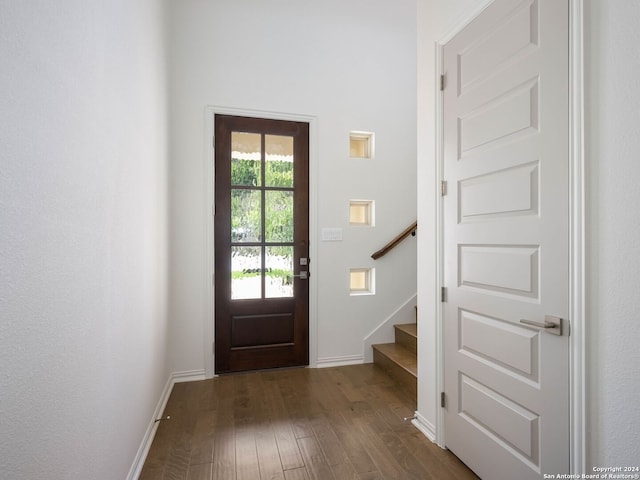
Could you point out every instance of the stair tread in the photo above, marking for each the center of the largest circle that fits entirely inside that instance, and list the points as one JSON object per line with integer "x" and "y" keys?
{"x": 408, "y": 328}
{"x": 399, "y": 355}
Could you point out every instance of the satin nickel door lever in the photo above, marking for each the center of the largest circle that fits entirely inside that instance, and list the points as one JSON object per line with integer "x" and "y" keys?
{"x": 551, "y": 324}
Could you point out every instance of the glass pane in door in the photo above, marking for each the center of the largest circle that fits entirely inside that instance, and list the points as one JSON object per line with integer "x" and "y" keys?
{"x": 246, "y": 159}
{"x": 279, "y": 272}
{"x": 278, "y": 216}
{"x": 278, "y": 161}
{"x": 246, "y": 215}
{"x": 246, "y": 272}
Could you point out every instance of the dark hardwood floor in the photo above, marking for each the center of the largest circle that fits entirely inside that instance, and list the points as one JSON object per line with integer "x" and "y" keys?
{"x": 298, "y": 424}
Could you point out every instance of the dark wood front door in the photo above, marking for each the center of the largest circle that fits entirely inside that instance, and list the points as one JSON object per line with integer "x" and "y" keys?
{"x": 261, "y": 243}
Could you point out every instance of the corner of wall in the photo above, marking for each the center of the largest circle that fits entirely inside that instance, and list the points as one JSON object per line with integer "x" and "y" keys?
{"x": 147, "y": 440}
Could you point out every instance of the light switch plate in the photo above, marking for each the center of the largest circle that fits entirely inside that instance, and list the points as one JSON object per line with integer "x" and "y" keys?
{"x": 331, "y": 234}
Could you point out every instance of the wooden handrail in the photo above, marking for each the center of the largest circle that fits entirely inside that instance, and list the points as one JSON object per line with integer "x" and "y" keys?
{"x": 411, "y": 230}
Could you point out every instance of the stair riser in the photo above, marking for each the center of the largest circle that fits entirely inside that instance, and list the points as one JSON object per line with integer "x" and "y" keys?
{"x": 396, "y": 371}
{"x": 406, "y": 340}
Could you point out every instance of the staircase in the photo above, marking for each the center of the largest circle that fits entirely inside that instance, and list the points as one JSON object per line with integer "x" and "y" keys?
{"x": 399, "y": 359}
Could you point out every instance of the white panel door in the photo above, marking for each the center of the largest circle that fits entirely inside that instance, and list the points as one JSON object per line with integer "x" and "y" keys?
{"x": 506, "y": 240}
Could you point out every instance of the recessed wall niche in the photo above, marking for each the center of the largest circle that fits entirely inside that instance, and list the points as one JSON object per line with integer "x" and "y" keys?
{"x": 361, "y": 144}
{"x": 361, "y": 213}
{"x": 362, "y": 281}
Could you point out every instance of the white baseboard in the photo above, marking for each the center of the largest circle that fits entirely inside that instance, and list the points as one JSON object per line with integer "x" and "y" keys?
{"x": 143, "y": 451}
{"x": 422, "y": 424}
{"x": 339, "y": 361}
{"x": 141, "y": 456}
{"x": 190, "y": 376}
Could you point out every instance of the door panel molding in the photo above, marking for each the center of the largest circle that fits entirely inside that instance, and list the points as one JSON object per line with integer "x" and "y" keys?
{"x": 208, "y": 293}
{"x": 578, "y": 312}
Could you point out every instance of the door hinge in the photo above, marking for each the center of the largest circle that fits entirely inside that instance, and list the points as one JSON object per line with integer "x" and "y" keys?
{"x": 213, "y": 209}
{"x": 443, "y": 400}
{"x": 213, "y": 141}
{"x": 443, "y": 294}
{"x": 213, "y": 347}
{"x": 441, "y": 82}
{"x": 213, "y": 279}
{"x": 443, "y": 188}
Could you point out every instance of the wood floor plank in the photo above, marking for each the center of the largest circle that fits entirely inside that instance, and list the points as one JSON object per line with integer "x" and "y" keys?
{"x": 156, "y": 458}
{"x": 329, "y": 442}
{"x": 296, "y": 398}
{"x": 268, "y": 455}
{"x": 296, "y": 474}
{"x": 352, "y": 392}
{"x": 224, "y": 452}
{"x": 390, "y": 422}
{"x": 203, "y": 438}
{"x": 151, "y": 471}
{"x": 247, "y": 466}
{"x": 177, "y": 463}
{"x": 261, "y": 394}
{"x": 344, "y": 471}
{"x": 327, "y": 395}
{"x": 201, "y": 471}
{"x": 379, "y": 446}
{"x": 352, "y": 444}
{"x": 316, "y": 463}
{"x": 290, "y": 455}
{"x": 179, "y": 424}
{"x": 281, "y": 422}
{"x": 370, "y": 476}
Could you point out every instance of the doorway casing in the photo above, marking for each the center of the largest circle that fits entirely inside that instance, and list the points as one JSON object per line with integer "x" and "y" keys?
{"x": 208, "y": 213}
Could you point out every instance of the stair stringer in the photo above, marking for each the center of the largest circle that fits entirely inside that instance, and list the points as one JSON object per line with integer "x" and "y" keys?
{"x": 384, "y": 333}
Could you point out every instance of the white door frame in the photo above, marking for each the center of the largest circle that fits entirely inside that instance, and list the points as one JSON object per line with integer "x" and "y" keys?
{"x": 577, "y": 215}
{"x": 208, "y": 285}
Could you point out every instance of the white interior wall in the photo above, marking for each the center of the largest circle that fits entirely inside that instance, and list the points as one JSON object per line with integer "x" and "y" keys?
{"x": 351, "y": 65}
{"x": 83, "y": 229}
{"x": 612, "y": 148}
